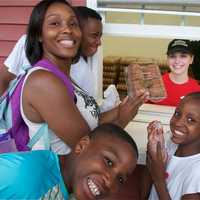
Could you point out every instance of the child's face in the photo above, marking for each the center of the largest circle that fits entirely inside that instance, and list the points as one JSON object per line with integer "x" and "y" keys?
{"x": 61, "y": 34}
{"x": 103, "y": 164}
{"x": 185, "y": 123}
{"x": 92, "y": 32}
{"x": 179, "y": 62}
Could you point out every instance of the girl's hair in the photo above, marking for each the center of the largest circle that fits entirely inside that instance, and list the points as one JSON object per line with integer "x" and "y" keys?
{"x": 34, "y": 49}
{"x": 193, "y": 95}
{"x": 196, "y": 62}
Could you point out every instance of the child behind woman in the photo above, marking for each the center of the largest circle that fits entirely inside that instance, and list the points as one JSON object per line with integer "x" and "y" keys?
{"x": 179, "y": 177}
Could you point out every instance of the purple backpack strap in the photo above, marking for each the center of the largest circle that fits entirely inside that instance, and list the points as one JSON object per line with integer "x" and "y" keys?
{"x": 54, "y": 69}
{"x": 19, "y": 130}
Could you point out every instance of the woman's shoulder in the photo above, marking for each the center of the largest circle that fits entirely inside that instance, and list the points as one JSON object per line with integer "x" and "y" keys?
{"x": 38, "y": 76}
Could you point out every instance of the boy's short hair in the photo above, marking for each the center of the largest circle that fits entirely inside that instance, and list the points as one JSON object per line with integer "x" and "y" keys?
{"x": 115, "y": 131}
{"x": 83, "y": 13}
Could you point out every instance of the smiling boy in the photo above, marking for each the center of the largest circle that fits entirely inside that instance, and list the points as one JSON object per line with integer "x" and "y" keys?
{"x": 95, "y": 168}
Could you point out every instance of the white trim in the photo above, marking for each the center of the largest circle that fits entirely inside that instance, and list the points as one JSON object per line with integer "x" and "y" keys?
{"x": 160, "y": 12}
{"x": 152, "y": 31}
{"x": 91, "y": 4}
{"x": 173, "y": 2}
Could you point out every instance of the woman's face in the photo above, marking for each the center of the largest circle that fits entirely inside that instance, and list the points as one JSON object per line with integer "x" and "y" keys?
{"x": 61, "y": 34}
{"x": 179, "y": 62}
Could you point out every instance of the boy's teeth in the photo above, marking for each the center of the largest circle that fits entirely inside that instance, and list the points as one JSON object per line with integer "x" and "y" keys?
{"x": 179, "y": 133}
{"x": 93, "y": 187}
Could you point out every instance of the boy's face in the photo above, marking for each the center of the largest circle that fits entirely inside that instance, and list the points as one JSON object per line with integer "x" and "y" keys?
{"x": 179, "y": 62}
{"x": 102, "y": 165}
{"x": 185, "y": 123}
{"x": 91, "y": 36}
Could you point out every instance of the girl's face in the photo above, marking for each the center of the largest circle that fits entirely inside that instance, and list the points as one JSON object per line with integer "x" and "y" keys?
{"x": 61, "y": 34}
{"x": 179, "y": 62}
{"x": 185, "y": 123}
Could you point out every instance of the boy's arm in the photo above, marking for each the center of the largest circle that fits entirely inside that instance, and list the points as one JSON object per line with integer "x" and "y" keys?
{"x": 5, "y": 78}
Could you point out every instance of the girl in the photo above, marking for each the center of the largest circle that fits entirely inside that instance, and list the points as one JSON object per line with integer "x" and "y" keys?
{"x": 178, "y": 83}
{"x": 179, "y": 178}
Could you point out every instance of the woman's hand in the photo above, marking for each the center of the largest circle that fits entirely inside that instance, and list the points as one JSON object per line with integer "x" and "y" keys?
{"x": 128, "y": 108}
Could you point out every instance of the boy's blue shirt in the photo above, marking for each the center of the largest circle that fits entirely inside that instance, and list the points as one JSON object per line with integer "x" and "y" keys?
{"x": 31, "y": 175}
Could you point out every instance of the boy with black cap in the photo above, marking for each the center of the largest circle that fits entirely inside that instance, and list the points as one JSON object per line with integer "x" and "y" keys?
{"x": 177, "y": 82}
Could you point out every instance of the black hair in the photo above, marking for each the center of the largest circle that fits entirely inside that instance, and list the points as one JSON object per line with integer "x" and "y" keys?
{"x": 115, "y": 131}
{"x": 83, "y": 13}
{"x": 34, "y": 49}
{"x": 193, "y": 95}
{"x": 196, "y": 62}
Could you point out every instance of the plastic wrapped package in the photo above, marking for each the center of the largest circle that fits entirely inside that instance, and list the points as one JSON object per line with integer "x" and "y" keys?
{"x": 145, "y": 76}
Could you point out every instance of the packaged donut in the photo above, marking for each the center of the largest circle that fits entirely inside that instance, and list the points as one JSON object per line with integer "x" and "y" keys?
{"x": 145, "y": 76}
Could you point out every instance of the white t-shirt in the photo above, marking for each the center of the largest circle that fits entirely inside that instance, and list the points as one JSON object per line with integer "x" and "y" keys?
{"x": 17, "y": 61}
{"x": 184, "y": 175}
{"x": 81, "y": 72}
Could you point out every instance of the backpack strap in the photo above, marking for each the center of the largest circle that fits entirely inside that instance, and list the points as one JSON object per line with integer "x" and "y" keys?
{"x": 42, "y": 131}
{"x": 5, "y": 107}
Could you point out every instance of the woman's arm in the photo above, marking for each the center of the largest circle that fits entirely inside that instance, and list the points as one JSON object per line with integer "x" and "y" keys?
{"x": 125, "y": 111}
{"x": 45, "y": 99}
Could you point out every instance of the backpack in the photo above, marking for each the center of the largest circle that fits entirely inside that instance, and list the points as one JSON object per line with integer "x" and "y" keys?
{"x": 14, "y": 135}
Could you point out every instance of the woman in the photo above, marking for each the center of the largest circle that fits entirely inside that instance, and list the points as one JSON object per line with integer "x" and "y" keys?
{"x": 53, "y": 38}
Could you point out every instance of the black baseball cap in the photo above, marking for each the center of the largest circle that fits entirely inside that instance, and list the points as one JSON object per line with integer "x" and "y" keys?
{"x": 179, "y": 45}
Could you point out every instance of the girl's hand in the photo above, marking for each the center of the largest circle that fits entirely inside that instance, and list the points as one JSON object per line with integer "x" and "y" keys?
{"x": 155, "y": 163}
{"x": 155, "y": 135}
